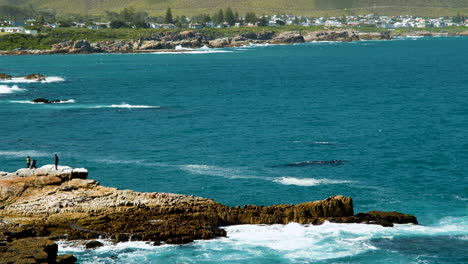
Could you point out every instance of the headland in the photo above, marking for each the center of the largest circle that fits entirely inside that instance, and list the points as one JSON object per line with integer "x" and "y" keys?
{"x": 45, "y": 204}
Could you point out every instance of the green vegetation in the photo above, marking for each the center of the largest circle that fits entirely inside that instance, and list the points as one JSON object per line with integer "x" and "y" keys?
{"x": 296, "y": 7}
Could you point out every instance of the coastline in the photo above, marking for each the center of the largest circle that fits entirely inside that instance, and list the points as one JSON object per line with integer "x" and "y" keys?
{"x": 187, "y": 41}
{"x": 41, "y": 205}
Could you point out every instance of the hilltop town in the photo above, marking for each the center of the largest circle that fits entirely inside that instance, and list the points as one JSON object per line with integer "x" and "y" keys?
{"x": 229, "y": 19}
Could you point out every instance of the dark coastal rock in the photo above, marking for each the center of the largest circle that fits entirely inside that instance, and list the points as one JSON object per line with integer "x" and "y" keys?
{"x": 312, "y": 162}
{"x": 4, "y": 76}
{"x": 66, "y": 259}
{"x": 73, "y": 47}
{"x": 220, "y": 43}
{"x": 387, "y": 218}
{"x": 375, "y": 36}
{"x": 288, "y": 37}
{"x": 343, "y": 36}
{"x": 21, "y": 244}
{"x": 93, "y": 244}
{"x": 35, "y": 76}
{"x": 45, "y": 101}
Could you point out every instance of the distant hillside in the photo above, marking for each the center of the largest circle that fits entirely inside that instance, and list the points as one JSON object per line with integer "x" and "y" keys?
{"x": 299, "y": 7}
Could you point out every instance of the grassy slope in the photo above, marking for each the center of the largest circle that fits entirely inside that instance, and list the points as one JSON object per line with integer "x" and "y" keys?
{"x": 299, "y": 7}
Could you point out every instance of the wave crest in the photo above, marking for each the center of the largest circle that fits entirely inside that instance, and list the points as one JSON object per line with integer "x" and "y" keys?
{"x": 50, "y": 79}
{"x": 5, "y": 89}
{"x": 124, "y": 105}
{"x": 307, "y": 181}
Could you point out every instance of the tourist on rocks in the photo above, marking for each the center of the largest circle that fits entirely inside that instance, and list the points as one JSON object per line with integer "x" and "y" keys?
{"x": 28, "y": 162}
{"x": 56, "y": 160}
{"x": 33, "y": 164}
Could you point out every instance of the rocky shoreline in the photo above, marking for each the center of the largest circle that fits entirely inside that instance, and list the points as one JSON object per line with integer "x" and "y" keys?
{"x": 38, "y": 206}
{"x": 189, "y": 40}
{"x": 181, "y": 41}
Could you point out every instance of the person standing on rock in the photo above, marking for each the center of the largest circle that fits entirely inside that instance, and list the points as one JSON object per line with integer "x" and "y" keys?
{"x": 28, "y": 162}
{"x": 33, "y": 164}
{"x": 56, "y": 161}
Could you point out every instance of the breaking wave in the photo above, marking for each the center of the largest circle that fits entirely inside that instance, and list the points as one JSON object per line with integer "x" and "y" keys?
{"x": 5, "y": 89}
{"x": 124, "y": 105}
{"x": 232, "y": 173}
{"x": 50, "y": 79}
{"x": 307, "y": 181}
{"x": 291, "y": 243}
{"x": 24, "y": 153}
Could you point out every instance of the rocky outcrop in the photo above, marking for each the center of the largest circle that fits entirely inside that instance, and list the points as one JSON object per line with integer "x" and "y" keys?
{"x": 45, "y": 101}
{"x": 35, "y": 76}
{"x": 288, "y": 37}
{"x": 374, "y": 36}
{"x": 4, "y": 76}
{"x": 163, "y": 41}
{"x": 64, "y": 204}
{"x": 20, "y": 244}
{"x": 342, "y": 36}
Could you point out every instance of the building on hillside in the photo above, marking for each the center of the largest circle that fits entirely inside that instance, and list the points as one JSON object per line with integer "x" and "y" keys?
{"x": 195, "y": 26}
{"x": 17, "y": 30}
{"x": 170, "y": 26}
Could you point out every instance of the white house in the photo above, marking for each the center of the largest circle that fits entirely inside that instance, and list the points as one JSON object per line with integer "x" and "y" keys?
{"x": 195, "y": 26}
{"x": 17, "y": 30}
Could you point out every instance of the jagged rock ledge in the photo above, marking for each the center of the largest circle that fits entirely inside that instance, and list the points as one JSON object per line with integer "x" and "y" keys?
{"x": 48, "y": 203}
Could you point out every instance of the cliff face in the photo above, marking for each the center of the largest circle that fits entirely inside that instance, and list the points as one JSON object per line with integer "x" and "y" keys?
{"x": 64, "y": 204}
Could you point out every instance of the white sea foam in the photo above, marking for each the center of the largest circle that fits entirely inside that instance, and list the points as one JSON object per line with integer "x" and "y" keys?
{"x": 195, "y": 51}
{"x": 24, "y": 153}
{"x": 295, "y": 242}
{"x": 307, "y": 181}
{"x": 49, "y": 79}
{"x": 125, "y": 105}
{"x": 232, "y": 173}
{"x": 460, "y": 198}
{"x": 179, "y": 47}
{"x": 5, "y": 89}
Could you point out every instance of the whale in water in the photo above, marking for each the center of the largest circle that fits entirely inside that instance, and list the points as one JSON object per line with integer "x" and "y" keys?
{"x": 312, "y": 162}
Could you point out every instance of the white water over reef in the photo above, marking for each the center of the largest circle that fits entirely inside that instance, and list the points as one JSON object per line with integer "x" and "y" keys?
{"x": 49, "y": 79}
{"x": 291, "y": 243}
{"x": 124, "y": 105}
{"x": 5, "y": 89}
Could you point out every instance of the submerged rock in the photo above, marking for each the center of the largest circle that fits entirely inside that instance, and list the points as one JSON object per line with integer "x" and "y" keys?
{"x": 93, "y": 244}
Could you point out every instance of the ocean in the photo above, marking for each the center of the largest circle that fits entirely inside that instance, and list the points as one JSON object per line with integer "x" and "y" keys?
{"x": 222, "y": 123}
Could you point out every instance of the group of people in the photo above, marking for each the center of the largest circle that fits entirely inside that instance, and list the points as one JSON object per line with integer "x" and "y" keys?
{"x": 33, "y": 164}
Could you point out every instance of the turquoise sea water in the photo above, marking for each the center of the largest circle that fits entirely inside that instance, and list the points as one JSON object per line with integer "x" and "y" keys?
{"x": 216, "y": 123}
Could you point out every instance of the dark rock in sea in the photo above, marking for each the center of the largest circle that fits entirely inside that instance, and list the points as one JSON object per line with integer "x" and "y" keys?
{"x": 45, "y": 101}
{"x": 20, "y": 244}
{"x": 387, "y": 218}
{"x": 66, "y": 259}
{"x": 35, "y": 76}
{"x": 93, "y": 244}
{"x": 312, "y": 162}
{"x": 4, "y": 76}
